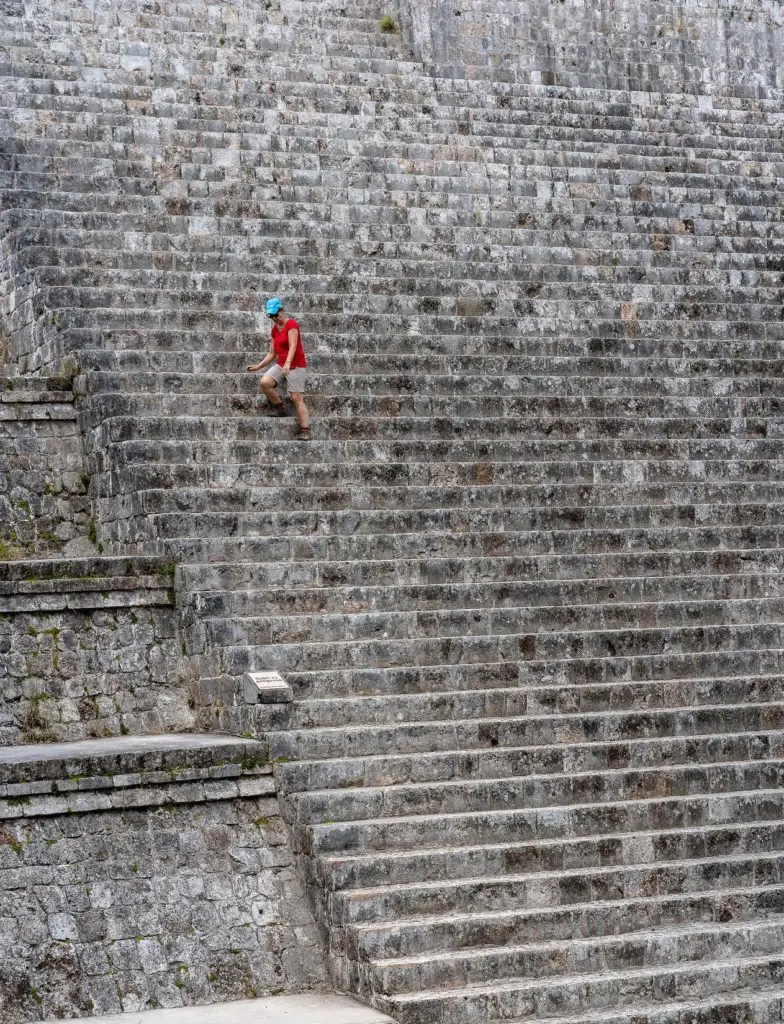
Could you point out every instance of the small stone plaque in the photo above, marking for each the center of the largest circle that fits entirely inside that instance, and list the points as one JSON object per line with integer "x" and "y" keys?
{"x": 266, "y": 688}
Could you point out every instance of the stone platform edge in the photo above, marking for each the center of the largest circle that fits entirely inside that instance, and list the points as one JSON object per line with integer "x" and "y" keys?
{"x": 140, "y": 772}
{"x": 81, "y": 584}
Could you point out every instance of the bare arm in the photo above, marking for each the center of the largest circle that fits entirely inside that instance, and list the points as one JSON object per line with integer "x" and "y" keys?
{"x": 293, "y": 338}
{"x": 268, "y": 358}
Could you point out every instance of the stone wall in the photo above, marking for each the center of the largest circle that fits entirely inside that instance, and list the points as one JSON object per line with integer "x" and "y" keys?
{"x": 44, "y": 501}
{"x": 160, "y": 880}
{"x": 89, "y": 647}
{"x": 731, "y": 46}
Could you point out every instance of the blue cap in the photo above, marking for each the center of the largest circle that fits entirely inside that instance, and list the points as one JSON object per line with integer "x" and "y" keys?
{"x": 273, "y": 307}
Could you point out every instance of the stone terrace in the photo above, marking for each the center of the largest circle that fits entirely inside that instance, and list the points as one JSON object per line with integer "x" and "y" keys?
{"x": 525, "y": 580}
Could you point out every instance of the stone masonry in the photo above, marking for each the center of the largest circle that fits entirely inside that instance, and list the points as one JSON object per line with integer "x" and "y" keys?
{"x": 161, "y": 876}
{"x": 730, "y": 47}
{"x": 44, "y": 502}
{"x": 90, "y": 647}
{"x": 525, "y": 580}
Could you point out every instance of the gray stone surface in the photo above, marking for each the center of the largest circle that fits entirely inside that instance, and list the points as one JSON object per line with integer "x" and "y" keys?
{"x": 178, "y": 889}
{"x": 629, "y": 45}
{"x": 524, "y": 580}
{"x": 90, "y": 657}
{"x": 44, "y": 483}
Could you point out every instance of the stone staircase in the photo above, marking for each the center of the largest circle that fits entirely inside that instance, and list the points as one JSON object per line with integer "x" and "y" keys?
{"x": 524, "y": 581}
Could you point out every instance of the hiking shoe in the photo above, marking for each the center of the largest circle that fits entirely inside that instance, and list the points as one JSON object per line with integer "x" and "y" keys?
{"x": 276, "y": 410}
{"x": 303, "y": 434}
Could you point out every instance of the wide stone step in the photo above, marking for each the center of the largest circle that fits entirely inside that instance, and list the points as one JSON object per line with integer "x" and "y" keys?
{"x": 256, "y": 575}
{"x": 514, "y": 731}
{"x": 635, "y": 474}
{"x": 667, "y": 947}
{"x": 701, "y": 597}
{"x": 472, "y": 1004}
{"x": 700, "y": 665}
{"x": 374, "y": 412}
{"x": 663, "y": 238}
{"x": 762, "y": 1004}
{"x": 446, "y": 318}
{"x": 552, "y": 790}
{"x": 403, "y": 142}
{"x": 494, "y": 762}
{"x": 380, "y": 427}
{"x": 603, "y": 107}
{"x": 450, "y": 451}
{"x": 370, "y": 558}
{"x": 567, "y": 853}
{"x": 691, "y": 500}
{"x": 210, "y": 392}
{"x": 555, "y": 266}
{"x": 620, "y": 236}
{"x": 384, "y": 246}
{"x": 486, "y": 144}
{"x": 176, "y": 353}
{"x": 472, "y": 828}
{"x": 434, "y": 933}
{"x": 243, "y": 411}
{"x": 663, "y": 235}
{"x": 527, "y": 647}
{"x": 395, "y": 254}
{"x": 479, "y": 130}
{"x": 325, "y": 628}
{"x": 593, "y": 301}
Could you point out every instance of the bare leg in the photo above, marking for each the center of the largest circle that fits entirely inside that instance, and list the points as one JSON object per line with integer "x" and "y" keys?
{"x": 270, "y": 389}
{"x": 301, "y": 409}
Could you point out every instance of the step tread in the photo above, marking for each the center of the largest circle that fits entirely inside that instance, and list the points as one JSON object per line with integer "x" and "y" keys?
{"x": 416, "y": 921}
{"x": 670, "y": 931}
{"x": 627, "y": 976}
{"x": 358, "y": 895}
{"x": 668, "y": 1011}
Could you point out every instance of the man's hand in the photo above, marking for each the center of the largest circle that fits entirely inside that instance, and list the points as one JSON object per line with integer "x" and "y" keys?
{"x": 285, "y": 370}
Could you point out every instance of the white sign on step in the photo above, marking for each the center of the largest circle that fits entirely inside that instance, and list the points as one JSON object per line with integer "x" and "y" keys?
{"x": 266, "y": 688}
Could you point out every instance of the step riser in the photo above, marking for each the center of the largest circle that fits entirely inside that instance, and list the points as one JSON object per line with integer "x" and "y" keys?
{"x": 575, "y": 672}
{"x": 600, "y": 993}
{"x": 341, "y": 874}
{"x": 488, "y": 896}
{"x": 560, "y": 791}
{"x": 495, "y": 703}
{"x": 385, "y": 941}
{"x": 643, "y": 755}
{"x": 546, "y": 823}
{"x": 585, "y": 958}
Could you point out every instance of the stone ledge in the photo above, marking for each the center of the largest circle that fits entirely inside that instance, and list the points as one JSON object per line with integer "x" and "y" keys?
{"x": 33, "y": 408}
{"x": 62, "y": 569}
{"x": 36, "y": 398}
{"x": 129, "y": 759}
{"x": 308, "y": 1008}
{"x": 90, "y": 595}
{"x": 143, "y": 795}
{"x": 80, "y": 584}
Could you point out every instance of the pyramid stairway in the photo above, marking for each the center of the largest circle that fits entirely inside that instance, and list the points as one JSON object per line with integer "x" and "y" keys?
{"x": 525, "y": 579}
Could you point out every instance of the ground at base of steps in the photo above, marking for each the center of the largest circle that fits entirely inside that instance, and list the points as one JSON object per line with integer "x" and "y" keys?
{"x": 309, "y": 1008}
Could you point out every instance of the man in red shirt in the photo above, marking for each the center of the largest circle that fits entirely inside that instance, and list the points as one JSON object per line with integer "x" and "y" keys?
{"x": 287, "y": 357}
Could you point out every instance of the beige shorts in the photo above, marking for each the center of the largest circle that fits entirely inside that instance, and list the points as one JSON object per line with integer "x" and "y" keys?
{"x": 295, "y": 380}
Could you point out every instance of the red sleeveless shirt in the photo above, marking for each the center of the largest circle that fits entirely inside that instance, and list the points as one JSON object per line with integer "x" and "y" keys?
{"x": 280, "y": 342}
